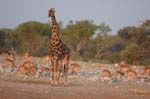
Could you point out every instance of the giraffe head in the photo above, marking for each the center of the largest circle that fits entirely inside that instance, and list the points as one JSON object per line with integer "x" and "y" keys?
{"x": 51, "y": 12}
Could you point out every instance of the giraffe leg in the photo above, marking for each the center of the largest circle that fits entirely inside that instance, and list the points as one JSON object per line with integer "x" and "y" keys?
{"x": 65, "y": 73}
{"x": 56, "y": 68}
{"x": 66, "y": 62}
{"x": 52, "y": 72}
{"x": 59, "y": 70}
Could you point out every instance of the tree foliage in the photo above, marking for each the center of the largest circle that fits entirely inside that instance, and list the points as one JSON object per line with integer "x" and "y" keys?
{"x": 87, "y": 41}
{"x": 132, "y": 53}
{"x": 29, "y": 36}
{"x": 77, "y": 35}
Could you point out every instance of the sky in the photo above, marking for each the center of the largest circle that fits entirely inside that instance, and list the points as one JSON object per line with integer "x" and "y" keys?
{"x": 115, "y": 13}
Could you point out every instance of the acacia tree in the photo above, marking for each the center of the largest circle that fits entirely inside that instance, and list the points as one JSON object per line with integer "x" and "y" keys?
{"x": 30, "y": 36}
{"x": 77, "y": 35}
{"x": 132, "y": 53}
{"x": 102, "y": 42}
{"x": 139, "y": 35}
{"x": 144, "y": 38}
{"x": 4, "y": 39}
{"x": 128, "y": 33}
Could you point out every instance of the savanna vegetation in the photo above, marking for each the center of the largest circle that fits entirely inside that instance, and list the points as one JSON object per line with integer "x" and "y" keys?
{"x": 87, "y": 41}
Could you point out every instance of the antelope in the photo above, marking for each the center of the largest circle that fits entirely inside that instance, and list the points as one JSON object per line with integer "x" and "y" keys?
{"x": 146, "y": 71}
{"x": 118, "y": 74}
{"x": 124, "y": 68}
{"x": 31, "y": 70}
{"x": 74, "y": 68}
{"x": 106, "y": 73}
{"x": 132, "y": 74}
{"x": 24, "y": 68}
{"x": 43, "y": 69}
{"x": 8, "y": 61}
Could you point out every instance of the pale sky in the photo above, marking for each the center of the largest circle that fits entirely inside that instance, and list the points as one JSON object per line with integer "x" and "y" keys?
{"x": 115, "y": 13}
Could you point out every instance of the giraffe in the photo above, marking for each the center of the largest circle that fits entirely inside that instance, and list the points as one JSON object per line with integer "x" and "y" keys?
{"x": 59, "y": 53}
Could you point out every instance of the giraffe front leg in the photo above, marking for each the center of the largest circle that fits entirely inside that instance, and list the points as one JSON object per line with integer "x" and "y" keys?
{"x": 66, "y": 74}
{"x": 55, "y": 67}
{"x": 52, "y": 79}
{"x": 59, "y": 70}
{"x": 52, "y": 72}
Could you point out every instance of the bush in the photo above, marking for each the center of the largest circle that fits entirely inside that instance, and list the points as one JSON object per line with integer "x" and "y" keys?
{"x": 132, "y": 53}
{"x": 145, "y": 61}
{"x": 112, "y": 57}
{"x": 102, "y": 61}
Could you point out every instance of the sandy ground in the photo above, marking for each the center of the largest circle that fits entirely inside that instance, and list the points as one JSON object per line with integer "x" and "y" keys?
{"x": 75, "y": 90}
{"x": 79, "y": 87}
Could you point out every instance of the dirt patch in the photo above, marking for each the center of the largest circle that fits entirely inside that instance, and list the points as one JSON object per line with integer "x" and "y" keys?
{"x": 18, "y": 89}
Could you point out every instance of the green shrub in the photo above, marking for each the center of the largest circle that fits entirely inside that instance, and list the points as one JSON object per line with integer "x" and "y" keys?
{"x": 145, "y": 61}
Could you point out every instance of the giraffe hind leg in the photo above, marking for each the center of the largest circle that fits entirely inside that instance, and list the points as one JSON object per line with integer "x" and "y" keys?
{"x": 65, "y": 74}
{"x": 52, "y": 72}
{"x": 56, "y": 72}
{"x": 66, "y": 62}
{"x": 59, "y": 70}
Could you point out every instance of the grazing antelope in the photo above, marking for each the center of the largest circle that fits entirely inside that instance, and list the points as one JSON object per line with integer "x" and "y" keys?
{"x": 10, "y": 62}
{"x": 74, "y": 68}
{"x": 119, "y": 74}
{"x": 43, "y": 69}
{"x": 106, "y": 73}
{"x": 146, "y": 71}
{"x": 132, "y": 74}
{"x": 21, "y": 69}
{"x": 124, "y": 68}
{"x": 31, "y": 70}
{"x": 24, "y": 68}
{"x": 7, "y": 61}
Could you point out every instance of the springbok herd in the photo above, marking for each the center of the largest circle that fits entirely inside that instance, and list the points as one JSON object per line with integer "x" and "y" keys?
{"x": 26, "y": 66}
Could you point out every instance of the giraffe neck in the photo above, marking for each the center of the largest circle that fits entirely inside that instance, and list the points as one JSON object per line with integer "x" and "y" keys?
{"x": 54, "y": 25}
{"x": 54, "y": 22}
{"x": 55, "y": 39}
